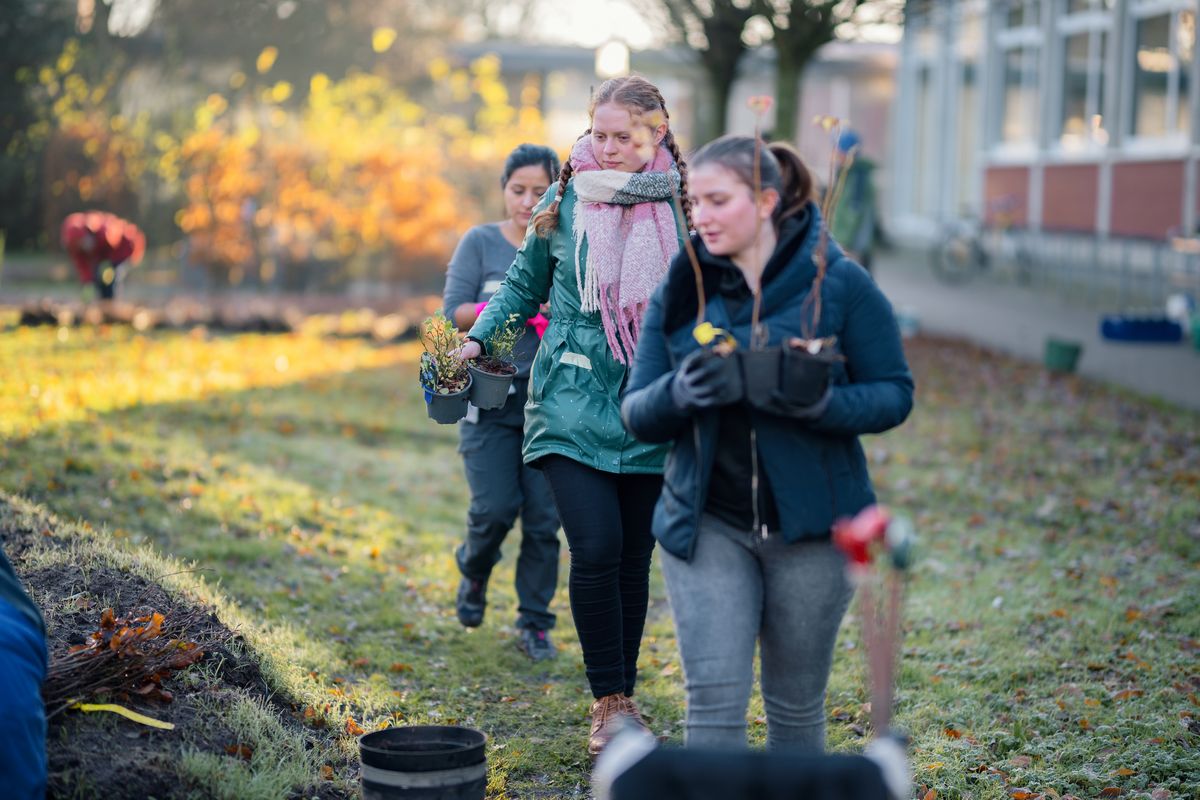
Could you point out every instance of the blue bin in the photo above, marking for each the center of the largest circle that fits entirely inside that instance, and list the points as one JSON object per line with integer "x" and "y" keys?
{"x": 1121, "y": 328}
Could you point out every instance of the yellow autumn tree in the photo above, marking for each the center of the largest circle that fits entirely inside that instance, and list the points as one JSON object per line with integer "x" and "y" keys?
{"x": 359, "y": 180}
{"x": 92, "y": 156}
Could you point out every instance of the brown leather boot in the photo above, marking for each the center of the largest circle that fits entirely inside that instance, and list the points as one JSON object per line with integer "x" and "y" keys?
{"x": 606, "y": 713}
{"x": 630, "y": 710}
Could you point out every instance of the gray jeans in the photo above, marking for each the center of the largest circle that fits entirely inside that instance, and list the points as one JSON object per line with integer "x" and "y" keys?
{"x": 739, "y": 589}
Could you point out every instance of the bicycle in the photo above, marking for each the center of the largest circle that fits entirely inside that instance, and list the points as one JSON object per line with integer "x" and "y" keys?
{"x": 966, "y": 247}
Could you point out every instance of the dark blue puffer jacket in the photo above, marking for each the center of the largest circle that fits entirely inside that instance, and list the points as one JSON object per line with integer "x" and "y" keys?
{"x": 816, "y": 468}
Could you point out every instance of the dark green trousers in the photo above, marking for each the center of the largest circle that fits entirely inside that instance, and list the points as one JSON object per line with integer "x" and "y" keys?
{"x": 503, "y": 488}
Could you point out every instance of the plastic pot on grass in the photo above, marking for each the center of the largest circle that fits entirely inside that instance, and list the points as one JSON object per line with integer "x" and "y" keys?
{"x": 1061, "y": 355}
{"x": 424, "y": 762}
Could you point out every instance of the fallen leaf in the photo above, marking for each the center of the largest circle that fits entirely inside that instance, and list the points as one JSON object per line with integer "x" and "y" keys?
{"x": 243, "y": 751}
{"x": 326, "y": 772}
{"x": 952, "y": 733}
{"x": 1124, "y": 772}
{"x": 1111, "y": 791}
{"x": 398, "y": 667}
{"x": 353, "y": 728}
{"x": 930, "y": 795}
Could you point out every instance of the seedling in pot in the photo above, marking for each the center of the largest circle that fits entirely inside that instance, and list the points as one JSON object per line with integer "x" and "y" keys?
{"x": 492, "y": 374}
{"x": 499, "y": 357}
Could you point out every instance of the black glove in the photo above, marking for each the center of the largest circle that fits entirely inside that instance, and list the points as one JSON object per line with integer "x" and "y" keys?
{"x": 705, "y": 380}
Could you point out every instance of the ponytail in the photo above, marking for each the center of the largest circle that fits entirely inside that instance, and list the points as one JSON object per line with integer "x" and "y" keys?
{"x": 797, "y": 181}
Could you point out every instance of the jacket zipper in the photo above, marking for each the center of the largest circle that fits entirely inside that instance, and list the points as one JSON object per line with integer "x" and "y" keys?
{"x": 760, "y": 527}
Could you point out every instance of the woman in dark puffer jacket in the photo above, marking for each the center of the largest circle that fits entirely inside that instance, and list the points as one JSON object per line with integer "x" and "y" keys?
{"x": 752, "y": 490}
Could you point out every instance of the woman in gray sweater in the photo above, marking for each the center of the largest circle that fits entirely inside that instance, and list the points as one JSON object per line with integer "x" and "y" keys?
{"x": 502, "y": 487}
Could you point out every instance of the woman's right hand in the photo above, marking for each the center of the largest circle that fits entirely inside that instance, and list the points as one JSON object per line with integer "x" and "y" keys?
{"x": 469, "y": 351}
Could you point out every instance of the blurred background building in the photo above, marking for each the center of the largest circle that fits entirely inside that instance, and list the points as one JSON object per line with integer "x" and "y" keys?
{"x": 1065, "y": 117}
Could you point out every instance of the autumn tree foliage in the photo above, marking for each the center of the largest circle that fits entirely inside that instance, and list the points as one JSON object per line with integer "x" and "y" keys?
{"x": 344, "y": 178}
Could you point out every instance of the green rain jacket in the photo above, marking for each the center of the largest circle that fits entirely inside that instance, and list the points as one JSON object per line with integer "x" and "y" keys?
{"x": 575, "y": 383}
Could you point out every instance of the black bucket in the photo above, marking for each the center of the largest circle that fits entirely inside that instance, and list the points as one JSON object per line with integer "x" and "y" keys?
{"x": 424, "y": 762}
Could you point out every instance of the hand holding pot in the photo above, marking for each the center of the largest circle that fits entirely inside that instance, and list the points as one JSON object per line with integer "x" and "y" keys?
{"x": 469, "y": 351}
{"x": 704, "y": 380}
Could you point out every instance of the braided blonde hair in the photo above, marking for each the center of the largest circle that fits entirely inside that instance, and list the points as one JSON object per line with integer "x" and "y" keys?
{"x": 640, "y": 96}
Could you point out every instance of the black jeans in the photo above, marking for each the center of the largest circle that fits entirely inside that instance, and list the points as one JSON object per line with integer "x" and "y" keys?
{"x": 606, "y": 518}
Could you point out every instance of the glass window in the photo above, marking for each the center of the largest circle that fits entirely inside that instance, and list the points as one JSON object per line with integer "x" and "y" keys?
{"x": 1185, "y": 42}
{"x": 1076, "y": 66}
{"x": 921, "y": 199}
{"x": 968, "y": 137}
{"x": 1151, "y": 75}
{"x": 1023, "y": 13}
{"x": 1083, "y": 67}
{"x": 1017, "y": 123}
{"x": 1075, "y": 6}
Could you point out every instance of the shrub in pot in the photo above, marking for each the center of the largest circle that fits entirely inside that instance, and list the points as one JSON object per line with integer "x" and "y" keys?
{"x": 443, "y": 375}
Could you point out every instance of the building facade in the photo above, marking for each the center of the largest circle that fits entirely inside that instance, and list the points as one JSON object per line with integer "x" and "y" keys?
{"x": 1060, "y": 117}
{"x": 854, "y": 81}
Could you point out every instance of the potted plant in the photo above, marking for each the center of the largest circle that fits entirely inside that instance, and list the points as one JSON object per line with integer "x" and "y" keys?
{"x": 492, "y": 374}
{"x": 444, "y": 376}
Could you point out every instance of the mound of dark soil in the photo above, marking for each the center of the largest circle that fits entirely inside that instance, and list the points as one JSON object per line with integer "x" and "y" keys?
{"x": 101, "y": 754}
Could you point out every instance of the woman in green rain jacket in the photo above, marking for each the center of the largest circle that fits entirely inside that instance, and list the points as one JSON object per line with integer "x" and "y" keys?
{"x": 597, "y": 249}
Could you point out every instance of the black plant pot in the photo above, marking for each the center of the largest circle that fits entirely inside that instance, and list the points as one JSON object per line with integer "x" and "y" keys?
{"x": 429, "y": 762}
{"x": 803, "y": 376}
{"x": 760, "y": 375}
{"x": 447, "y": 408}
{"x": 489, "y": 390}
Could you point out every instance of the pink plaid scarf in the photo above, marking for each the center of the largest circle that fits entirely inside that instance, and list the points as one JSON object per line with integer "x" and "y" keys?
{"x": 629, "y": 225}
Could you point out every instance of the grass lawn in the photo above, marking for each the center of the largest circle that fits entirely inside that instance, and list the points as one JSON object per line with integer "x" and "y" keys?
{"x": 1052, "y": 625}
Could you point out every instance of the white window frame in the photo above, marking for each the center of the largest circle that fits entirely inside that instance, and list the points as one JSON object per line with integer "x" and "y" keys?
{"x": 1097, "y": 23}
{"x": 1174, "y": 142}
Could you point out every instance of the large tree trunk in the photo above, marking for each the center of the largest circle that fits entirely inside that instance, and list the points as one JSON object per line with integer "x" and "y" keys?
{"x": 789, "y": 76}
{"x": 716, "y": 110}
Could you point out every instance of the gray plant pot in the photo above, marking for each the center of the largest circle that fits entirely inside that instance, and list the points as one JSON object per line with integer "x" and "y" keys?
{"x": 445, "y": 409}
{"x": 489, "y": 390}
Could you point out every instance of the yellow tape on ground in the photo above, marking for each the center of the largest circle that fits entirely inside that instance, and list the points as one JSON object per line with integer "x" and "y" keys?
{"x": 125, "y": 712}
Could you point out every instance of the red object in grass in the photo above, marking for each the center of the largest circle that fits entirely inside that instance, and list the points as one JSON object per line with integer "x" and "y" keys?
{"x": 854, "y": 536}
{"x": 94, "y": 237}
